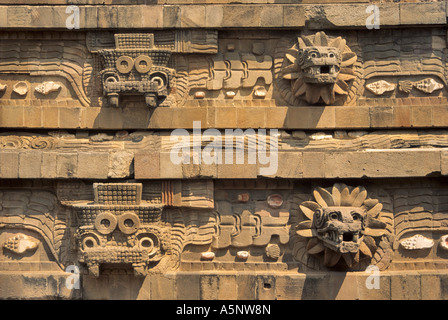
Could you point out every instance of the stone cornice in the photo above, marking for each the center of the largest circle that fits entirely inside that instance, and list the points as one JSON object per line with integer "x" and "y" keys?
{"x": 33, "y": 15}
{"x": 300, "y": 118}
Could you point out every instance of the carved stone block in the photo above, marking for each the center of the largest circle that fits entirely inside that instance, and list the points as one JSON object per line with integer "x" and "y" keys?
{"x": 135, "y": 66}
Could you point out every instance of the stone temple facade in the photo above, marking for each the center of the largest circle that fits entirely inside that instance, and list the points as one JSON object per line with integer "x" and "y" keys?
{"x": 259, "y": 149}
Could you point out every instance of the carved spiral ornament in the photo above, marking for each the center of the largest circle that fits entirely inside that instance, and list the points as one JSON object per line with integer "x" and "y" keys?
{"x": 317, "y": 69}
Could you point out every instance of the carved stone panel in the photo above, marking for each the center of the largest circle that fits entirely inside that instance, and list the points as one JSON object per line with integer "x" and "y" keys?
{"x": 118, "y": 229}
{"x": 343, "y": 228}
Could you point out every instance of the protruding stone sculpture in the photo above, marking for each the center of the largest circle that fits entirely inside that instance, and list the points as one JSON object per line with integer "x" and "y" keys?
{"x": 417, "y": 242}
{"x": 118, "y": 229}
{"x": 380, "y": 87}
{"x": 21, "y": 88}
{"x": 21, "y": 243}
{"x": 47, "y": 87}
{"x": 319, "y": 68}
{"x": 342, "y": 226}
{"x": 428, "y": 85}
{"x": 444, "y": 242}
{"x": 136, "y": 67}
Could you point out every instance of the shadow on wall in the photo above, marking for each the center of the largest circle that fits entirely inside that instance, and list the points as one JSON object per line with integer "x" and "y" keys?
{"x": 330, "y": 286}
{"x": 129, "y": 116}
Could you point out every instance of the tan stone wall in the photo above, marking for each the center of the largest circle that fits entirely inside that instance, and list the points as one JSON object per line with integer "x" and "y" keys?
{"x": 356, "y": 135}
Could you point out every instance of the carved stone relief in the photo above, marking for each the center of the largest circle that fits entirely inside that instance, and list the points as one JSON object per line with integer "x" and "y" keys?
{"x": 47, "y": 87}
{"x": 21, "y": 88}
{"x": 420, "y": 228}
{"x": 380, "y": 87}
{"x": 34, "y": 218}
{"x": 233, "y": 70}
{"x": 426, "y": 85}
{"x": 249, "y": 226}
{"x": 318, "y": 69}
{"x": 58, "y": 57}
{"x": 417, "y": 242}
{"x": 405, "y": 60}
{"x": 240, "y": 227}
{"x": 131, "y": 225}
{"x": 125, "y": 142}
{"x": 117, "y": 228}
{"x": 160, "y": 226}
{"x": 21, "y": 243}
{"x": 135, "y": 66}
{"x": 342, "y": 228}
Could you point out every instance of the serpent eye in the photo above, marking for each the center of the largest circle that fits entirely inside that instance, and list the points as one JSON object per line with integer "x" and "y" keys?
{"x": 356, "y": 216}
{"x": 331, "y": 55}
{"x": 333, "y": 216}
{"x": 313, "y": 55}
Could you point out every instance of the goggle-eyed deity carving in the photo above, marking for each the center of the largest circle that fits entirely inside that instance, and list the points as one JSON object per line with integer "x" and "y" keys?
{"x": 117, "y": 229}
{"x": 136, "y": 67}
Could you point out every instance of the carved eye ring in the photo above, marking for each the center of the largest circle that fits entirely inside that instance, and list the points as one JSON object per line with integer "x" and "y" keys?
{"x": 110, "y": 79}
{"x": 89, "y": 241}
{"x": 333, "y": 216}
{"x": 148, "y": 242}
{"x": 356, "y": 216}
{"x": 313, "y": 55}
{"x": 331, "y": 55}
{"x": 128, "y": 223}
{"x": 159, "y": 79}
{"x": 143, "y": 64}
{"x": 105, "y": 222}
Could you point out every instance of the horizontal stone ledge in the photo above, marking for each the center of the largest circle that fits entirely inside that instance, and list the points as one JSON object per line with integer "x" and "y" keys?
{"x": 314, "y": 16}
{"x": 39, "y": 281}
{"x": 170, "y": 118}
{"x": 287, "y": 285}
{"x": 169, "y": 2}
{"x": 297, "y": 165}
{"x": 37, "y": 164}
{"x": 229, "y": 285}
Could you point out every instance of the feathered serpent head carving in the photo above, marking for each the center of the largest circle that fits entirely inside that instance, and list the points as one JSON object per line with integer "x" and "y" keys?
{"x": 319, "y": 68}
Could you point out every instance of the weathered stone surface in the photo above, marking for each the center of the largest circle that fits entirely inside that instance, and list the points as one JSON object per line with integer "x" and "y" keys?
{"x": 36, "y": 285}
{"x": 30, "y": 164}
{"x": 120, "y": 164}
{"x": 313, "y": 164}
{"x": 193, "y": 15}
{"x": 409, "y": 284}
{"x": 444, "y": 162}
{"x": 66, "y": 165}
{"x": 168, "y": 169}
{"x": 93, "y": 165}
{"x": 147, "y": 165}
{"x": 353, "y": 208}
{"x": 9, "y": 164}
{"x": 49, "y": 165}
{"x": 347, "y": 117}
{"x": 228, "y": 117}
{"x": 289, "y": 165}
{"x": 415, "y": 13}
{"x": 382, "y": 164}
